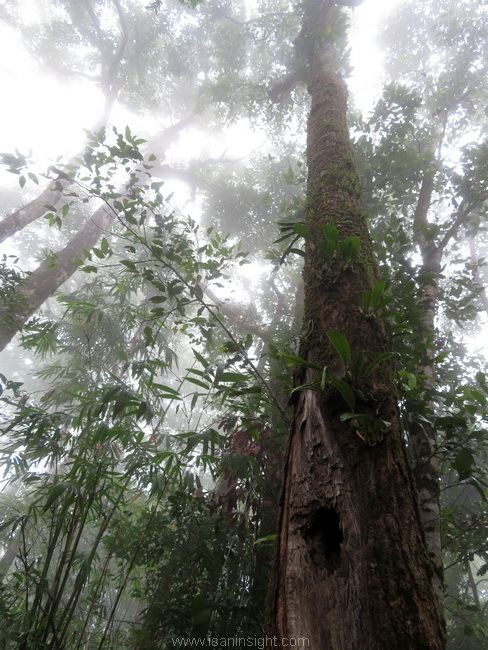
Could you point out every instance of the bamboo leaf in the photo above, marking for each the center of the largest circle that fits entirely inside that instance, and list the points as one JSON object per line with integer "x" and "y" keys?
{"x": 197, "y": 382}
{"x": 53, "y": 495}
{"x": 168, "y": 390}
{"x": 200, "y": 358}
{"x": 233, "y": 377}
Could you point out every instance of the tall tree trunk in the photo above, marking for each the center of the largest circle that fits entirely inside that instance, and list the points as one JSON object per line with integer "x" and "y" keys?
{"x": 473, "y": 253}
{"x": 9, "y": 555}
{"x": 352, "y": 569}
{"x": 423, "y": 435}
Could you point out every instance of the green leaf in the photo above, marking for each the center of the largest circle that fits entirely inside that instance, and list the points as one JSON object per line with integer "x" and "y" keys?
{"x": 472, "y": 608}
{"x": 349, "y": 248}
{"x": 129, "y": 265}
{"x": 124, "y": 398}
{"x": 328, "y": 249}
{"x": 108, "y": 397}
{"x": 163, "y": 455}
{"x": 233, "y": 377}
{"x": 199, "y": 373}
{"x": 9, "y": 523}
{"x": 329, "y": 232}
{"x": 268, "y": 538}
{"x": 357, "y": 366}
{"x": 481, "y": 377}
{"x": 285, "y": 225}
{"x": 197, "y": 382}
{"x": 380, "y": 425}
{"x": 476, "y": 484}
{"x": 409, "y": 380}
{"x": 341, "y": 345}
{"x": 346, "y": 392}
{"x": 376, "y": 293}
{"x": 143, "y": 410}
{"x": 105, "y": 248}
{"x": 464, "y": 462}
{"x": 326, "y": 377}
{"x": 366, "y": 300}
{"x": 381, "y": 357}
{"x": 357, "y": 419}
{"x": 53, "y": 495}
{"x": 302, "y": 230}
{"x": 307, "y": 386}
{"x": 170, "y": 392}
{"x": 292, "y": 360}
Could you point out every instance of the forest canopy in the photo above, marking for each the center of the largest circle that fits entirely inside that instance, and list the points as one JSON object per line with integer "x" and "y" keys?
{"x": 181, "y": 298}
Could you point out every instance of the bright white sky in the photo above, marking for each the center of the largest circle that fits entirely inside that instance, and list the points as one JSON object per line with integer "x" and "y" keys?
{"x": 366, "y": 57}
{"x": 40, "y": 113}
{"x": 46, "y": 116}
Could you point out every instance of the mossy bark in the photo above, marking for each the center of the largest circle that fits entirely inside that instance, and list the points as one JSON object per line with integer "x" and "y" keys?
{"x": 352, "y": 569}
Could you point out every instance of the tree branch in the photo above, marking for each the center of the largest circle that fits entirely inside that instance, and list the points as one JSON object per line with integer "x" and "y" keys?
{"x": 235, "y": 318}
{"x": 32, "y": 210}
{"x": 476, "y": 274}
{"x": 464, "y": 210}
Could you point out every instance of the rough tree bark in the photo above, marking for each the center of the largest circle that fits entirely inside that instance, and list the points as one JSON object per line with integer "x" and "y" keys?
{"x": 352, "y": 569}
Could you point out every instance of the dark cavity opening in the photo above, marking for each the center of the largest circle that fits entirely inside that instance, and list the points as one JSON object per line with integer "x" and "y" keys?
{"x": 324, "y": 538}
